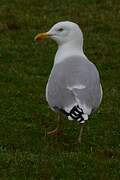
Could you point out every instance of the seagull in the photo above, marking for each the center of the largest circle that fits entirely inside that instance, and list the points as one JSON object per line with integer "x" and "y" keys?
{"x": 73, "y": 89}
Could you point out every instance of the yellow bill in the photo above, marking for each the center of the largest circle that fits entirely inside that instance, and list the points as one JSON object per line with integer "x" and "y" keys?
{"x": 41, "y": 36}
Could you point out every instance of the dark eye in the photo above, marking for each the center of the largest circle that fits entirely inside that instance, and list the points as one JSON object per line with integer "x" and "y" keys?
{"x": 60, "y": 29}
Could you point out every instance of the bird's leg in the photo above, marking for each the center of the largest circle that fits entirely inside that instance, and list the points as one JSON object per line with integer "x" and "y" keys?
{"x": 80, "y": 134}
{"x": 59, "y": 128}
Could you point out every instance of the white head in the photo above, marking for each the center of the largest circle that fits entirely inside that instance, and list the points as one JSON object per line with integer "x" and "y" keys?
{"x": 63, "y": 32}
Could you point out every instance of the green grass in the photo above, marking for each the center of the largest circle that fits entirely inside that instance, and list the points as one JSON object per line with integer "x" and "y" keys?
{"x": 26, "y": 153}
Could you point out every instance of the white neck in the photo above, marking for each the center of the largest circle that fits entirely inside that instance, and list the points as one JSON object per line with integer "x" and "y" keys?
{"x": 68, "y": 49}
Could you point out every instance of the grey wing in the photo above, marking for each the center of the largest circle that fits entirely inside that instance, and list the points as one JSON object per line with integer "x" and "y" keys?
{"x": 74, "y": 81}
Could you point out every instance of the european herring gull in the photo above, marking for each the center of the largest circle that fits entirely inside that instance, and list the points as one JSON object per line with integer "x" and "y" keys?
{"x": 73, "y": 87}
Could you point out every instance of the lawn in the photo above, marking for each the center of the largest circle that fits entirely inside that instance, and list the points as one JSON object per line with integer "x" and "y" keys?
{"x": 26, "y": 152}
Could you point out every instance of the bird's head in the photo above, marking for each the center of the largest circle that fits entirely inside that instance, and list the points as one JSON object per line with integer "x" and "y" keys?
{"x": 62, "y": 32}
